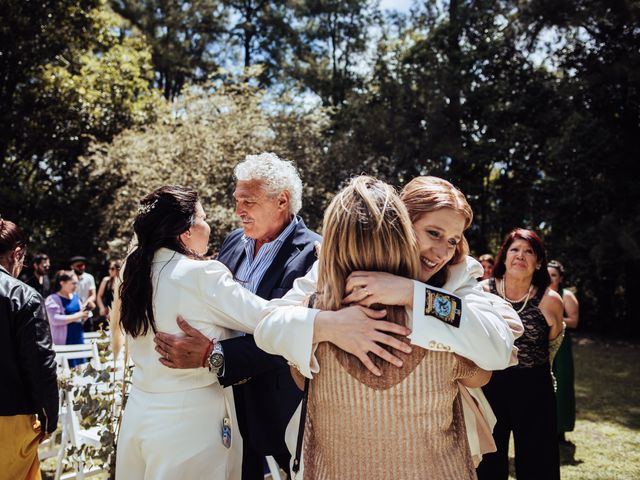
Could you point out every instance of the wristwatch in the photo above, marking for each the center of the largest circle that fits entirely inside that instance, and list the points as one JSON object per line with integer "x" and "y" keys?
{"x": 216, "y": 359}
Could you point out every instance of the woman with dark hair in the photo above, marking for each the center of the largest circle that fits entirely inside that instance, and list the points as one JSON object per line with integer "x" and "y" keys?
{"x": 66, "y": 313}
{"x": 522, "y": 396}
{"x": 178, "y": 423}
{"x": 105, "y": 292}
{"x": 563, "y": 361}
{"x": 487, "y": 261}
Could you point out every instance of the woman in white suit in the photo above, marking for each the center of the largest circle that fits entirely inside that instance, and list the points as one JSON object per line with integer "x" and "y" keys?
{"x": 178, "y": 423}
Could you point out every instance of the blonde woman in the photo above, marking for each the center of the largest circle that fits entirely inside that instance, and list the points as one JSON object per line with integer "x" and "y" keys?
{"x": 408, "y": 421}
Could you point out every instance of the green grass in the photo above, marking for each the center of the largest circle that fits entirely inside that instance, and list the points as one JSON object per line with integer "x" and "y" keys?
{"x": 605, "y": 444}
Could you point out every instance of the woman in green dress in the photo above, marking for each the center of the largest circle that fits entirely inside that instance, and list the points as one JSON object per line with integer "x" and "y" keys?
{"x": 563, "y": 362}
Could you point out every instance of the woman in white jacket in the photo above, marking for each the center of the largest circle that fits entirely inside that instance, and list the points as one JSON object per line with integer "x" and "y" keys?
{"x": 488, "y": 325}
{"x": 178, "y": 423}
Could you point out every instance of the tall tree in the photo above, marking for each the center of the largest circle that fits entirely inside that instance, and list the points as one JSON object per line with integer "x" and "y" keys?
{"x": 334, "y": 35}
{"x": 263, "y": 33}
{"x": 180, "y": 148}
{"x": 185, "y": 36}
{"x": 595, "y": 202}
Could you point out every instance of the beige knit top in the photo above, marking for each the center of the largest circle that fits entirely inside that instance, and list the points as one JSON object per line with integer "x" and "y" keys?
{"x": 407, "y": 424}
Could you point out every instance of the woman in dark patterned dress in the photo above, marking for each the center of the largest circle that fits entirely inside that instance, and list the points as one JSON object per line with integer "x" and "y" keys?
{"x": 522, "y": 396}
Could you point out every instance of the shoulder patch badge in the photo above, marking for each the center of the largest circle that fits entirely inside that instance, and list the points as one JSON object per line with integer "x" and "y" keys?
{"x": 443, "y": 305}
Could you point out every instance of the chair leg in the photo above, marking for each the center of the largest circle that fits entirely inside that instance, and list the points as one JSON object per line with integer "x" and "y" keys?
{"x": 80, "y": 474}
{"x": 61, "y": 453}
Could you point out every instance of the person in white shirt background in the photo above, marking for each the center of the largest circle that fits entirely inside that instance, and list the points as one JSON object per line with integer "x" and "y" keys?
{"x": 86, "y": 288}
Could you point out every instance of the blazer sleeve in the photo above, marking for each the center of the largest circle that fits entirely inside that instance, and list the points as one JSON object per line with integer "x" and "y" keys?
{"x": 488, "y": 326}
{"x": 235, "y": 306}
{"x": 244, "y": 359}
{"x": 286, "y": 327}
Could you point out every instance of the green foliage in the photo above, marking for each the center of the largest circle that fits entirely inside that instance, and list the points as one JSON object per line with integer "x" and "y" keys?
{"x": 531, "y": 108}
{"x": 82, "y": 80}
{"x": 197, "y": 143}
{"x": 593, "y": 203}
{"x": 333, "y": 38}
{"x": 263, "y": 34}
{"x": 100, "y": 397}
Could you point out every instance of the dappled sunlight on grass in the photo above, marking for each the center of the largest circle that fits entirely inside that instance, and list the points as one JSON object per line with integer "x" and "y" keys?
{"x": 605, "y": 444}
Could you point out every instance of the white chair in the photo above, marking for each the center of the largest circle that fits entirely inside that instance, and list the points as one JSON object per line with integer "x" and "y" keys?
{"x": 72, "y": 433}
{"x": 64, "y": 353}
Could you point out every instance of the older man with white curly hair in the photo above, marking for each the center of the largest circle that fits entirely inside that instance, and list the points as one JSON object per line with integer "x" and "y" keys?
{"x": 271, "y": 250}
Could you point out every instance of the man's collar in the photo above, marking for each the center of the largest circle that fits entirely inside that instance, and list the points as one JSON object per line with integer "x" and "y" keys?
{"x": 282, "y": 236}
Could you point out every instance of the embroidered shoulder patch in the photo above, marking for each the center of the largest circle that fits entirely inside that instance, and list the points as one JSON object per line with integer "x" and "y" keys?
{"x": 443, "y": 305}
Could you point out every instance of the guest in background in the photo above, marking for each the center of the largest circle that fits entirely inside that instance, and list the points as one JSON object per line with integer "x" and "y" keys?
{"x": 563, "y": 362}
{"x": 40, "y": 278}
{"x": 522, "y": 396}
{"x": 28, "y": 383}
{"x": 66, "y": 312}
{"x": 105, "y": 293}
{"x": 86, "y": 287}
{"x": 487, "y": 262}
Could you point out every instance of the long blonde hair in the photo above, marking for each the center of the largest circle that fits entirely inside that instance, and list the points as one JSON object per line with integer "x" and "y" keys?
{"x": 427, "y": 194}
{"x": 366, "y": 227}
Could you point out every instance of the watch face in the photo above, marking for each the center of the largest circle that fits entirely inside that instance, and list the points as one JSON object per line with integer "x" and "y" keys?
{"x": 216, "y": 360}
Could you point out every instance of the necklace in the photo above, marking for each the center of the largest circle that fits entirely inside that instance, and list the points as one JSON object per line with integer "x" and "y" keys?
{"x": 501, "y": 290}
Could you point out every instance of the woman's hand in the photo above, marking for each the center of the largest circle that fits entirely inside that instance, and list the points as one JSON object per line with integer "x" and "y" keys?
{"x": 370, "y": 288}
{"x": 79, "y": 317}
{"x": 359, "y": 330}
{"x": 103, "y": 311}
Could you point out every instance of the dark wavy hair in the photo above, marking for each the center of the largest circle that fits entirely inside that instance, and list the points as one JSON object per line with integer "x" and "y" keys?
{"x": 162, "y": 216}
{"x": 541, "y": 278}
{"x": 11, "y": 236}
{"x": 62, "y": 276}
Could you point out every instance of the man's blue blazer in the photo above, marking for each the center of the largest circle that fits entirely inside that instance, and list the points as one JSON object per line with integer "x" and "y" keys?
{"x": 268, "y": 397}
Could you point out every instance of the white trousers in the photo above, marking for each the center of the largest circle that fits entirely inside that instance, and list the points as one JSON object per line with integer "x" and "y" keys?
{"x": 178, "y": 435}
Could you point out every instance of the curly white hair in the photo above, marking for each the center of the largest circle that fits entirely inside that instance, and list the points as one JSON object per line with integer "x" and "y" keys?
{"x": 277, "y": 174}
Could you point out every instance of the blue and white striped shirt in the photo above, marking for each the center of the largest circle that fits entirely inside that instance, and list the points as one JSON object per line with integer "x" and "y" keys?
{"x": 251, "y": 270}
